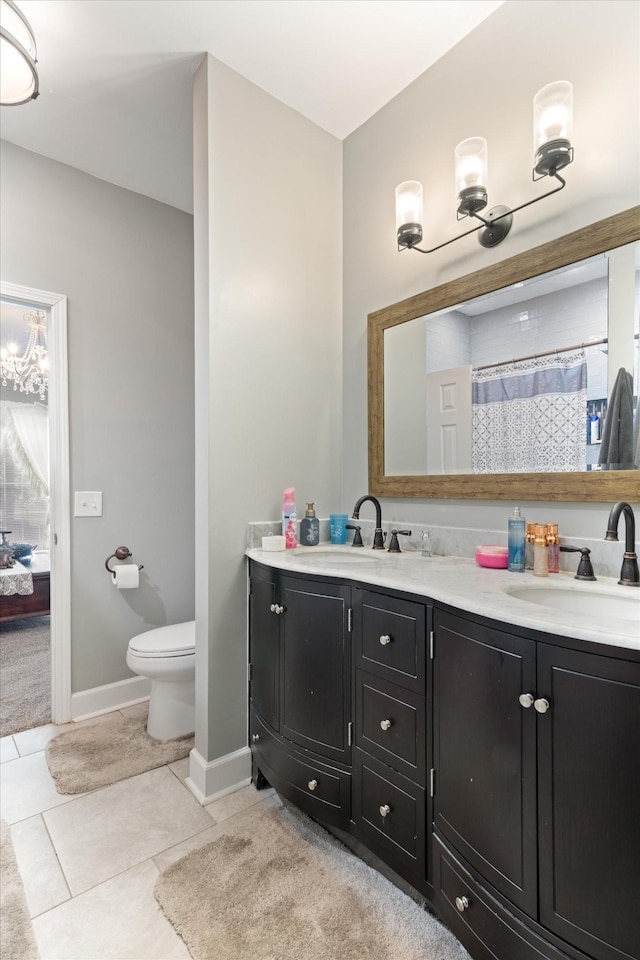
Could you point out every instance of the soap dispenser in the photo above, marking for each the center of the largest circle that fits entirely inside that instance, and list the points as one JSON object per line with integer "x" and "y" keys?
{"x": 310, "y": 527}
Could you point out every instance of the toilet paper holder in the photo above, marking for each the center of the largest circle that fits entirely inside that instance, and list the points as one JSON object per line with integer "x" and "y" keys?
{"x": 121, "y": 554}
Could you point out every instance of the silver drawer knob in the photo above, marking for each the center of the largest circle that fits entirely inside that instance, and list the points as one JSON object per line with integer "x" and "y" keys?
{"x": 255, "y": 737}
{"x": 385, "y": 724}
{"x": 462, "y": 903}
{"x": 312, "y": 784}
{"x": 526, "y": 699}
{"x": 385, "y": 810}
{"x": 276, "y": 608}
{"x": 385, "y": 639}
{"x": 541, "y": 705}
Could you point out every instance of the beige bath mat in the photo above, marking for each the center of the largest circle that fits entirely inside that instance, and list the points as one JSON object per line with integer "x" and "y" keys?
{"x": 17, "y": 941}
{"x": 112, "y": 749}
{"x": 277, "y": 887}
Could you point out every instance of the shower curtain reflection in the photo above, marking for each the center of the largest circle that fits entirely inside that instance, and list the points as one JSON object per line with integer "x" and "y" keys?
{"x": 529, "y": 416}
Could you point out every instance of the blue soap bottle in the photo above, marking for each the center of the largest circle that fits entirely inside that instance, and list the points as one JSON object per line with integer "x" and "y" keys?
{"x": 310, "y": 527}
{"x": 516, "y": 541}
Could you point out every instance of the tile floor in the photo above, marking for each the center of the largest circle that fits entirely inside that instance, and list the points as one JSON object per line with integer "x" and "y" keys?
{"x": 89, "y": 862}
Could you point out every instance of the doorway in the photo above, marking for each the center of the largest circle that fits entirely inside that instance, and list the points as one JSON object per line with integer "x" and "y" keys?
{"x": 55, "y": 307}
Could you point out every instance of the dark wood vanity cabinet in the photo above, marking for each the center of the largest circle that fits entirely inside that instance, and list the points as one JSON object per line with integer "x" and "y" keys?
{"x": 495, "y": 770}
{"x": 537, "y": 795}
{"x": 391, "y": 752}
{"x": 300, "y": 690}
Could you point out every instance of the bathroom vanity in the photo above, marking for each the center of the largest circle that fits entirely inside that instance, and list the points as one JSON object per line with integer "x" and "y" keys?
{"x": 479, "y": 747}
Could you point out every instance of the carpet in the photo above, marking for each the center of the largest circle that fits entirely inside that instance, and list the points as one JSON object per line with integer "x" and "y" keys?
{"x": 113, "y": 748}
{"x": 25, "y": 675}
{"x": 17, "y": 941}
{"x": 278, "y": 887}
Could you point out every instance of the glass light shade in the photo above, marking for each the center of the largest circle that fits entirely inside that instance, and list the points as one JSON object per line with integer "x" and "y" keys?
{"x": 553, "y": 127}
{"x": 18, "y": 75}
{"x": 471, "y": 163}
{"x": 409, "y": 207}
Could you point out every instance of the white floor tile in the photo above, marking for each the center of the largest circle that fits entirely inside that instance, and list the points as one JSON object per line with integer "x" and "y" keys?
{"x": 8, "y": 749}
{"x": 181, "y": 769}
{"x": 110, "y": 830}
{"x": 42, "y": 877}
{"x": 118, "y": 920}
{"x": 168, "y": 857}
{"x": 32, "y": 741}
{"x": 235, "y": 802}
{"x": 27, "y": 788}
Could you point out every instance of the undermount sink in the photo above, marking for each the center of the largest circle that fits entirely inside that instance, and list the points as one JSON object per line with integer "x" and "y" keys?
{"x": 596, "y": 602}
{"x": 339, "y": 555}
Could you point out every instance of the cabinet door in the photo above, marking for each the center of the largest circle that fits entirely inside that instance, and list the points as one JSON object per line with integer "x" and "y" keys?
{"x": 264, "y": 646}
{"x": 485, "y": 753}
{"x": 589, "y": 801}
{"x": 315, "y": 667}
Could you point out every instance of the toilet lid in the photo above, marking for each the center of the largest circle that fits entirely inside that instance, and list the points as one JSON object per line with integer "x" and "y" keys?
{"x": 176, "y": 640}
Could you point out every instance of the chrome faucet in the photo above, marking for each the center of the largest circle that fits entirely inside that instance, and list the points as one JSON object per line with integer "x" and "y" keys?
{"x": 629, "y": 575}
{"x": 378, "y": 539}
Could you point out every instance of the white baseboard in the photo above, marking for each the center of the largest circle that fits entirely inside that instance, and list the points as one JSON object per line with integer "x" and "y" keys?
{"x": 210, "y": 780}
{"x": 112, "y": 696}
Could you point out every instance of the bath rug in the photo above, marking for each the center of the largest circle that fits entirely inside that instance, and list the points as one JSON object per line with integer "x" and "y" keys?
{"x": 17, "y": 941}
{"x": 113, "y": 748}
{"x": 278, "y": 887}
{"x": 25, "y": 675}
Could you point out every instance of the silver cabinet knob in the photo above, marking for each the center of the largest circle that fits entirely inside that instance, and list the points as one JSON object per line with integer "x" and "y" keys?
{"x": 526, "y": 699}
{"x": 385, "y": 810}
{"x": 276, "y": 608}
{"x": 255, "y": 737}
{"x": 312, "y": 784}
{"x": 462, "y": 903}
{"x": 385, "y": 639}
{"x": 385, "y": 724}
{"x": 541, "y": 705}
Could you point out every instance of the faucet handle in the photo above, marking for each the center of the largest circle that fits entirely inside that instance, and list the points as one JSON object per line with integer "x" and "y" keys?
{"x": 394, "y": 546}
{"x": 585, "y": 567}
{"x": 357, "y": 537}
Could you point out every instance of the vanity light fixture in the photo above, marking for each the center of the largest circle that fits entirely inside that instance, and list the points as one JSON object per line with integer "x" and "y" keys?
{"x": 552, "y": 129}
{"x": 18, "y": 73}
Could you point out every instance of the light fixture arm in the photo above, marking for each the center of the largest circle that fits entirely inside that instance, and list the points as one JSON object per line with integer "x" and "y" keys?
{"x": 503, "y": 215}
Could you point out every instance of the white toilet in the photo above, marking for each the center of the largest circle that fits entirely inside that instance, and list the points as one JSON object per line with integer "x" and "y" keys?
{"x": 167, "y": 656}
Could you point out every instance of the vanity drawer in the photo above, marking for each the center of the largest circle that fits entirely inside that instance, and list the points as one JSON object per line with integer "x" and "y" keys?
{"x": 483, "y": 926}
{"x": 391, "y": 636}
{"x": 390, "y": 725}
{"x": 389, "y": 816}
{"x": 321, "y": 790}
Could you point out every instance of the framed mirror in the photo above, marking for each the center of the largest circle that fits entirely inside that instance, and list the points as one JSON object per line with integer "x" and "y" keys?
{"x": 565, "y": 314}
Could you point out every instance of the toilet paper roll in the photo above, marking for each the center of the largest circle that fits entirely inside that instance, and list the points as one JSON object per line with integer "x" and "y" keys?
{"x": 126, "y": 576}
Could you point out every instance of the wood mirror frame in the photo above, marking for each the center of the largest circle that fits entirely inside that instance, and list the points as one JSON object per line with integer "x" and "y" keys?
{"x": 596, "y": 485}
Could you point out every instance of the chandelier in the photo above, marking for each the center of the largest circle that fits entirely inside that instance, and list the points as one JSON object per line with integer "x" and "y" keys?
{"x": 28, "y": 372}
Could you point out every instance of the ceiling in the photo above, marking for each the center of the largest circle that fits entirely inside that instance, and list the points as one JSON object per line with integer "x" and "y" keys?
{"x": 116, "y": 75}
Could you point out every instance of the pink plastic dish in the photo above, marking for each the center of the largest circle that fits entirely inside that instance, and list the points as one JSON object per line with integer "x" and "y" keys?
{"x": 488, "y": 556}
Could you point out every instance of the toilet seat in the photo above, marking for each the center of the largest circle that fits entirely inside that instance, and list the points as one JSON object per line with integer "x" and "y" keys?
{"x": 175, "y": 640}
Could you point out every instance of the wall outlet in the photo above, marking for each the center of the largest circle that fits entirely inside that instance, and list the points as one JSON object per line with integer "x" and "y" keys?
{"x": 88, "y": 503}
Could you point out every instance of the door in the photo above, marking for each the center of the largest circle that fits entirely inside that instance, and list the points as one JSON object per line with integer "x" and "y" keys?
{"x": 60, "y": 525}
{"x": 264, "y": 645}
{"x": 589, "y": 801}
{"x": 449, "y": 421}
{"x": 485, "y": 753}
{"x": 315, "y": 709}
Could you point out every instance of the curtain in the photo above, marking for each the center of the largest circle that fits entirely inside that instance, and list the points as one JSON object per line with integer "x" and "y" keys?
{"x": 26, "y": 430}
{"x": 530, "y": 416}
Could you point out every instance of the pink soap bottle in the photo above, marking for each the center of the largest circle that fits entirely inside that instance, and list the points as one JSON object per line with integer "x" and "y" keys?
{"x": 289, "y": 518}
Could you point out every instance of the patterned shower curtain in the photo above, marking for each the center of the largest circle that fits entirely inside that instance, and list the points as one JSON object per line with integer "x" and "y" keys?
{"x": 530, "y": 416}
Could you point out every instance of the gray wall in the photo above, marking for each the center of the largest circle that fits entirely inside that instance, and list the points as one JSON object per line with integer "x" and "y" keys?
{"x": 485, "y": 87}
{"x": 126, "y": 264}
{"x": 268, "y": 254}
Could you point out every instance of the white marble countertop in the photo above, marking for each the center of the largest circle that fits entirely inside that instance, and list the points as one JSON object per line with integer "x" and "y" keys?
{"x": 461, "y": 583}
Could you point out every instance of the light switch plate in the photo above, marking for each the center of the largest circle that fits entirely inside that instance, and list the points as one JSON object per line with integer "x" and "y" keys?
{"x": 88, "y": 503}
